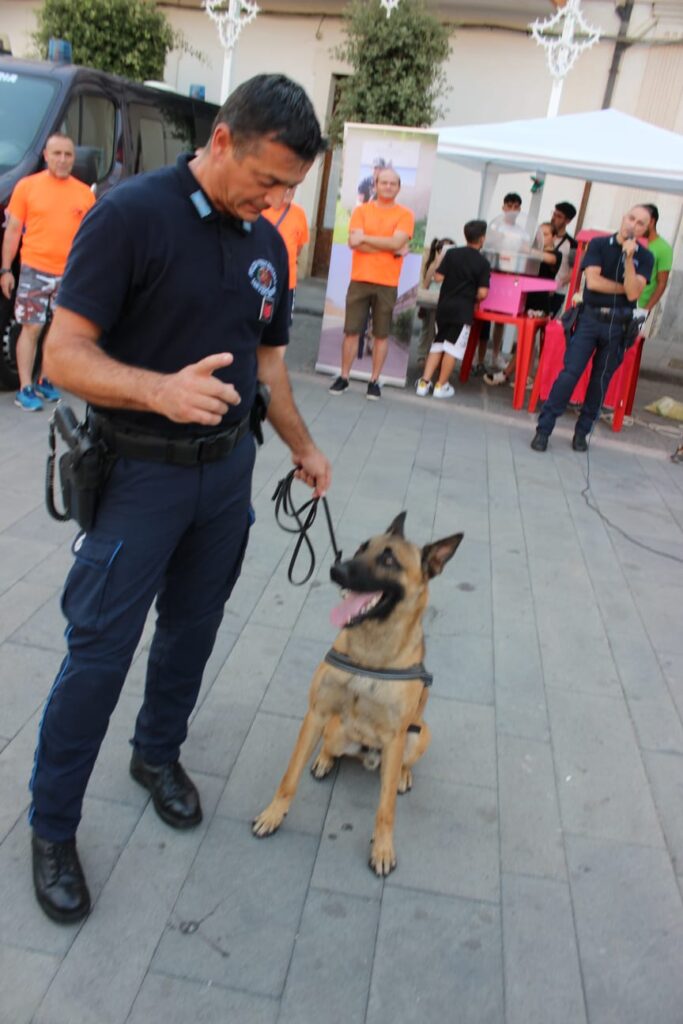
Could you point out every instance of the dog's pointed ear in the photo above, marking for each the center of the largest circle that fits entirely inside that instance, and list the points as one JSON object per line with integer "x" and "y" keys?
{"x": 396, "y": 528}
{"x": 435, "y": 556}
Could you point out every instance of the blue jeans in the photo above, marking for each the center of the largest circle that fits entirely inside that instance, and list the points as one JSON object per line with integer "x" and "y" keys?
{"x": 171, "y": 532}
{"x": 592, "y": 335}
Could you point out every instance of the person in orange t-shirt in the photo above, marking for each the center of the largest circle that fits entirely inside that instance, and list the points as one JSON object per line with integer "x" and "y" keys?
{"x": 290, "y": 220}
{"x": 46, "y": 209}
{"x": 379, "y": 233}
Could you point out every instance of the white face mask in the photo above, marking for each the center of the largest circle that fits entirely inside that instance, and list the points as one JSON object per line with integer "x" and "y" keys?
{"x": 510, "y": 216}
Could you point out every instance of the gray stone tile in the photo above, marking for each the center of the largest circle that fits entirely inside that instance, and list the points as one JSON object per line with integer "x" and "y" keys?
{"x": 660, "y": 605}
{"x": 629, "y": 922}
{"x": 542, "y": 975}
{"x": 45, "y": 628}
{"x": 247, "y": 897}
{"x": 287, "y": 692}
{"x": 27, "y": 675}
{"x": 447, "y": 840}
{"x": 462, "y": 667}
{"x": 260, "y": 766}
{"x": 332, "y": 961}
{"x": 216, "y": 735}
{"x": 601, "y": 781}
{"x": 531, "y": 834}
{"x": 672, "y": 667}
{"x": 314, "y": 619}
{"x": 18, "y": 556}
{"x": 102, "y": 972}
{"x": 453, "y": 851}
{"x": 177, "y": 1001}
{"x": 657, "y": 725}
{"x": 665, "y": 772}
{"x": 20, "y": 603}
{"x": 103, "y": 834}
{"x": 251, "y": 663}
{"x": 463, "y": 747}
{"x": 24, "y": 978}
{"x": 16, "y": 764}
{"x": 438, "y": 959}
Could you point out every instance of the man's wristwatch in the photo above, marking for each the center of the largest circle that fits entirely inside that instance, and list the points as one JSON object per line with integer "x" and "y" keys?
{"x": 5, "y": 270}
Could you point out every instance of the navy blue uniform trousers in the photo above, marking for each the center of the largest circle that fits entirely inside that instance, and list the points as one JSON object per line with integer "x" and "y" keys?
{"x": 606, "y": 339}
{"x": 173, "y": 532}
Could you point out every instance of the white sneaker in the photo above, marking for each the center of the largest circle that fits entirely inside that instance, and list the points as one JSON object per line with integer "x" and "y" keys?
{"x": 445, "y": 391}
{"x": 494, "y": 379}
{"x": 423, "y": 387}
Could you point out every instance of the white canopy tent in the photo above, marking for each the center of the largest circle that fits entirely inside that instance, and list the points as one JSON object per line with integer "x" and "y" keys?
{"x": 600, "y": 146}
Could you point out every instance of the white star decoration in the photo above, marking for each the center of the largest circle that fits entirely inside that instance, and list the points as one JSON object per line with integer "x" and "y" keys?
{"x": 389, "y": 6}
{"x": 562, "y": 52}
{"x": 231, "y": 19}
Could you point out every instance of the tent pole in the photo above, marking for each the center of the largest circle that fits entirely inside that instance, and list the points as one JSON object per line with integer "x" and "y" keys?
{"x": 489, "y": 179}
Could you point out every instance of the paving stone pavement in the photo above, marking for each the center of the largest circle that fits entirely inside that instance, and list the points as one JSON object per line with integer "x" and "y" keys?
{"x": 540, "y": 873}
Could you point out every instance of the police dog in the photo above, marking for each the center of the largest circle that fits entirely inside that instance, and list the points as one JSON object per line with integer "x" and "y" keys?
{"x": 386, "y": 585}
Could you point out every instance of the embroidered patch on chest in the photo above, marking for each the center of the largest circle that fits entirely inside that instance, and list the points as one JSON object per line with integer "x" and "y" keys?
{"x": 263, "y": 278}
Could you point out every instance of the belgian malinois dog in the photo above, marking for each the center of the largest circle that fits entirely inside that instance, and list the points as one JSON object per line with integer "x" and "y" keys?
{"x": 369, "y": 701}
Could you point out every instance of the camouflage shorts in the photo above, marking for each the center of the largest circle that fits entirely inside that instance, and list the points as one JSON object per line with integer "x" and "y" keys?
{"x": 36, "y": 293}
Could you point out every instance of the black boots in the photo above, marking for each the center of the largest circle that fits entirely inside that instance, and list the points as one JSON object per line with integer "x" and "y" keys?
{"x": 175, "y": 796}
{"x": 579, "y": 442}
{"x": 59, "y": 881}
{"x": 540, "y": 441}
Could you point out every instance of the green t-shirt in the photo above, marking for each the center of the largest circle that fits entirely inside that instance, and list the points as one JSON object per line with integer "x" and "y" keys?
{"x": 663, "y": 254}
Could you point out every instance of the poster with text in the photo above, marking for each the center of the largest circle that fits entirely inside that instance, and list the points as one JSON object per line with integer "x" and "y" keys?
{"x": 411, "y": 152}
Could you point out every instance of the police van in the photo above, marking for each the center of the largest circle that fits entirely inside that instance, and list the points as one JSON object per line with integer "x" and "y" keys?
{"x": 119, "y": 128}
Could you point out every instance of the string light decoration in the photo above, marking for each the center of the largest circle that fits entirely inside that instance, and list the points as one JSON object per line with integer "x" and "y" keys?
{"x": 389, "y": 6}
{"x": 231, "y": 18}
{"x": 562, "y": 52}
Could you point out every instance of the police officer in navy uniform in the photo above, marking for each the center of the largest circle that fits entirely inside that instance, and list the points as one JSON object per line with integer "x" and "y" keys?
{"x": 173, "y": 305}
{"x": 617, "y": 269}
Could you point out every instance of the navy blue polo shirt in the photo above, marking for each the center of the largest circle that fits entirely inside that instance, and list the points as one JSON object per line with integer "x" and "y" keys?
{"x": 606, "y": 253}
{"x": 169, "y": 280}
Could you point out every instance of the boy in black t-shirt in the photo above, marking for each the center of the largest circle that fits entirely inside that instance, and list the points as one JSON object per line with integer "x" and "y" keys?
{"x": 464, "y": 274}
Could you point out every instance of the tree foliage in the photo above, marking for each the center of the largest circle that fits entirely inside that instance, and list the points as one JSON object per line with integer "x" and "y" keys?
{"x": 125, "y": 37}
{"x": 398, "y": 76}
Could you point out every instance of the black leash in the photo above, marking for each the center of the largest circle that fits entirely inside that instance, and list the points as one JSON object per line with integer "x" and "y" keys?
{"x": 284, "y": 506}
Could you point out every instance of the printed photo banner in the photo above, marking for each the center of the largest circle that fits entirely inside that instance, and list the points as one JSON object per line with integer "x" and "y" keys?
{"x": 367, "y": 149}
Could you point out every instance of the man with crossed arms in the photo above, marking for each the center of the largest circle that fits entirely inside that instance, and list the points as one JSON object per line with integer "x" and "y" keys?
{"x": 379, "y": 233}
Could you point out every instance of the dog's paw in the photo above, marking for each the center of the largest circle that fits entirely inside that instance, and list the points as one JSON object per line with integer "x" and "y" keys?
{"x": 405, "y": 783}
{"x": 269, "y": 821}
{"x": 382, "y": 857}
{"x": 322, "y": 766}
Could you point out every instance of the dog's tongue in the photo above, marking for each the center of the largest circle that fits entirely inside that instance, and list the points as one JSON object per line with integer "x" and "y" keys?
{"x": 350, "y": 607}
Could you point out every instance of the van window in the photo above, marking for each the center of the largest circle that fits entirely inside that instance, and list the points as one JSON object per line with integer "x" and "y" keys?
{"x": 160, "y": 135}
{"x": 90, "y": 121}
{"x": 24, "y": 103}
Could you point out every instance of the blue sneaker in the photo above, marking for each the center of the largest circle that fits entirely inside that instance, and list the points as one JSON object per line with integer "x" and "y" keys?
{"x": 44, "y": 389}
{"x": 28, "y": 400}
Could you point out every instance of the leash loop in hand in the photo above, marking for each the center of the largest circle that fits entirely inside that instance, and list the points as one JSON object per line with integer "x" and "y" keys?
{"x": 284, "y": 507}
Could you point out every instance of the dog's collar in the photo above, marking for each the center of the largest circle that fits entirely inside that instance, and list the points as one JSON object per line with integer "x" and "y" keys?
{"x": 337, "y": 660}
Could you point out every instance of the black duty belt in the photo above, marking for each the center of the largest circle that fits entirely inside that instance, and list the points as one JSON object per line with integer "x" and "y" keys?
{"x": 338, "y": 660}
{"x": 609, "y": 313}
{"x": 180, "y": 451}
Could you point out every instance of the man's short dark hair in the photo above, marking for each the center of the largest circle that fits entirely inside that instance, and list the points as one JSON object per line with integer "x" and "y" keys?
{"x": 652, "y": 210}
{"x": 474, "y": 230}
{"x": 273, "y": 107}
{"x": 567, "y": 210}
{"x": 512, "y": 197}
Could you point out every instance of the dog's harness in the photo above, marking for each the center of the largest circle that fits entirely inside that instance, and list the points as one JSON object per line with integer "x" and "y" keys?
{"x": 337, "y": 660}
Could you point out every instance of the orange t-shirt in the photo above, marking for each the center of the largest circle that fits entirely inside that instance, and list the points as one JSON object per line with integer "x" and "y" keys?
{"x": 51, "y": 210}
{"x": 294, "y": 230}
{"x": 383, "y": 221}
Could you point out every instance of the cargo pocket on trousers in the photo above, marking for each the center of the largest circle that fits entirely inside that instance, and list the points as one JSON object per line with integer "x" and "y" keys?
{"x": 84, "y": 600}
